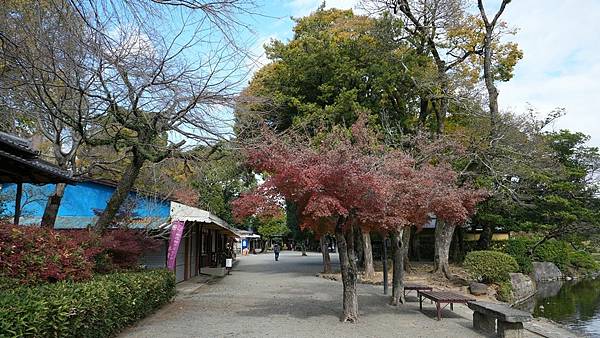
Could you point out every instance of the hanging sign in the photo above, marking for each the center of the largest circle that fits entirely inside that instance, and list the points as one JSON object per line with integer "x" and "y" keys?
{"x": 174, "y": 240}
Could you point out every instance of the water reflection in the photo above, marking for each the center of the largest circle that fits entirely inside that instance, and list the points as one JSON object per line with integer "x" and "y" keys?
{"x": 574, "y": 304}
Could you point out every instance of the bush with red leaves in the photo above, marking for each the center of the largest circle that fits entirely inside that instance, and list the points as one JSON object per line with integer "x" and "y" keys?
{"x": 35, "y": 255}
{"x": 124, "y": 247}
{"x": 116, "y": 249}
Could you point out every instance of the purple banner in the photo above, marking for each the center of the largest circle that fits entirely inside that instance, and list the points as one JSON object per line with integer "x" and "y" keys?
{"x": 174, "y": 240}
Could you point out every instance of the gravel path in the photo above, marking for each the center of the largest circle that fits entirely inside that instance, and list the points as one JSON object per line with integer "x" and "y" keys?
{"x": 264, "y": 298}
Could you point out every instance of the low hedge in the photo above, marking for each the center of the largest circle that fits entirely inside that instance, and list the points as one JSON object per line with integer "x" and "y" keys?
{"x": 490, "y": 266}
{"x": 99, "y": 307}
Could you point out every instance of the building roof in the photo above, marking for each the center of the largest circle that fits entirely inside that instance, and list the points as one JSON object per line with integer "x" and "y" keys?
{"x": 21, "y": 164}
{"x": 182, "y": 212}
{"x": 248, "y": 234}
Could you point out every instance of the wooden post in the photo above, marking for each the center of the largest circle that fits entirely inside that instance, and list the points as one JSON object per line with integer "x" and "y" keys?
{"x": 385, "y": 269}
{"x": 18, "y": 203}
{"x": 201, "y": 248}
{"x": 198, "y": 243}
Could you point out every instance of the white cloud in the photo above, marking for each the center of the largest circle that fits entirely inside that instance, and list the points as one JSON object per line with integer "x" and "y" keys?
{"x": 128, "y": 43}
{"x": 561, "y": 64}
{"x": 258, "y": 57}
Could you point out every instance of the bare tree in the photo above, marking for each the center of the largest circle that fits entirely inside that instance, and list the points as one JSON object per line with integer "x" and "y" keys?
{"x": 489, "y": 45}
{"x": 143, "y": 91}
{"x": 35, "y": 83}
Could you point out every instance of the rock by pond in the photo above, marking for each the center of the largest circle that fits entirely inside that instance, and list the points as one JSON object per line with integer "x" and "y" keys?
{"x": 522, "y": 287}
{"x": 545, "y": 271}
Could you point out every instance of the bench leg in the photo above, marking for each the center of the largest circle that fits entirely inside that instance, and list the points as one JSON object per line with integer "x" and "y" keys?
{"x": 483, "y": 323}
{"x": 420, "y": 302}
{"x": 439, "y": 310}
{"x": 452, "y": 306}
{"x": 510, "y": 330}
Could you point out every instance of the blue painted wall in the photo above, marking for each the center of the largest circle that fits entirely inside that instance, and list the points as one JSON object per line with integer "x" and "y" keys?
{"x": 79, "y": 200}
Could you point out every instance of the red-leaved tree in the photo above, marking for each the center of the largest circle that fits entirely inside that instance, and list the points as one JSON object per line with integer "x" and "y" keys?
{"x": 349, "y": 181}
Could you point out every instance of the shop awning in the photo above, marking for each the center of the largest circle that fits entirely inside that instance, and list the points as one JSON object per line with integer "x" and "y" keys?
{"x": 186, "y": 213}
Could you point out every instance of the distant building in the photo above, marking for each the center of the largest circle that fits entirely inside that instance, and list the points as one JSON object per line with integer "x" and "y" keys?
{"x": 248, "y": 240}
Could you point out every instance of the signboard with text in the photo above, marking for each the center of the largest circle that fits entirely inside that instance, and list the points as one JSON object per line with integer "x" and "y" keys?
{"x": 174, "y": 240}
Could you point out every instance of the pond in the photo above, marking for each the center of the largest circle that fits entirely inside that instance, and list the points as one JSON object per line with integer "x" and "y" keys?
{"x": 575, "y": 304}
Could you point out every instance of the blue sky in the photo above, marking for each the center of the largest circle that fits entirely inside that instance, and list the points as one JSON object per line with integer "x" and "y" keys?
{"x": 559, "y": 38}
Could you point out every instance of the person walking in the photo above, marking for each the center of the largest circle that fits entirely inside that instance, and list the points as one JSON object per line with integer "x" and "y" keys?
{"x": 276, "y": 250}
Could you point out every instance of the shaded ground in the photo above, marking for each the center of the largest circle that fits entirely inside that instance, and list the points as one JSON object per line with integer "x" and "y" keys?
{"x": 420, "y": 273}
{"x": 264, "y": 298}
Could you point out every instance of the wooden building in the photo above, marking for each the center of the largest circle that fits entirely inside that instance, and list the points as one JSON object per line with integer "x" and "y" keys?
{"x": 206, "y": 242}
{"x": 20, "y": 163}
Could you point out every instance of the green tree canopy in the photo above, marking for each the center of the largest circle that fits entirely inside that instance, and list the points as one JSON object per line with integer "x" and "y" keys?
{"x": 337, "y": 65}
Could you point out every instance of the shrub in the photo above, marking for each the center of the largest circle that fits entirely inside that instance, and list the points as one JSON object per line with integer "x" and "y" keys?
{"x": 124, "y": 247}
{"x": 490, "y": 266}
{"x": 34, "y": 255}
{"x": 583, "y": 260}
{"x": 505, "y": 293}
{"x": 554, "y": 251}
{"x": 96, "y": 308}
{"x": 518, "y": 248}
{"x": 116, "y": 249}
{"x": 7, "y": 283}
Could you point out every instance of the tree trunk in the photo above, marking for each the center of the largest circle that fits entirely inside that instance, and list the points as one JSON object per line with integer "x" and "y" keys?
{"x": 424, "y": 111}
{"x": 51, "y": 210}
{"x": 120, "y": 193}
{"x": 442, "y": 110}
{"x": 489, "y": 81}
{"x": 398, "y": 268}
{"x": 358, "y": 248}
{"x": 414, "y": 249}
{"x": 406, "y": 238}
{"x": 443, "y": 239}
{"x": 345, "y": 243}
{"x": 263, "y": 246}
{"x": 368, "y": 255}
{"x": 325, "y": 253}
{"x": 488, "y": 67}
{"x": 459, "y": 248}
{"x": 485, "y": 238}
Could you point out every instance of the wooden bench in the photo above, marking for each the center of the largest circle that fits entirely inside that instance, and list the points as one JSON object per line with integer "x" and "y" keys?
{"x": 443, "y": 297}
{"x": 416, "y": 287}
{"x": 510, "y": 321}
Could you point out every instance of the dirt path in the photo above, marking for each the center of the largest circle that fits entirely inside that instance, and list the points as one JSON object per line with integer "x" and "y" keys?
{"x": 264, "y": 298}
